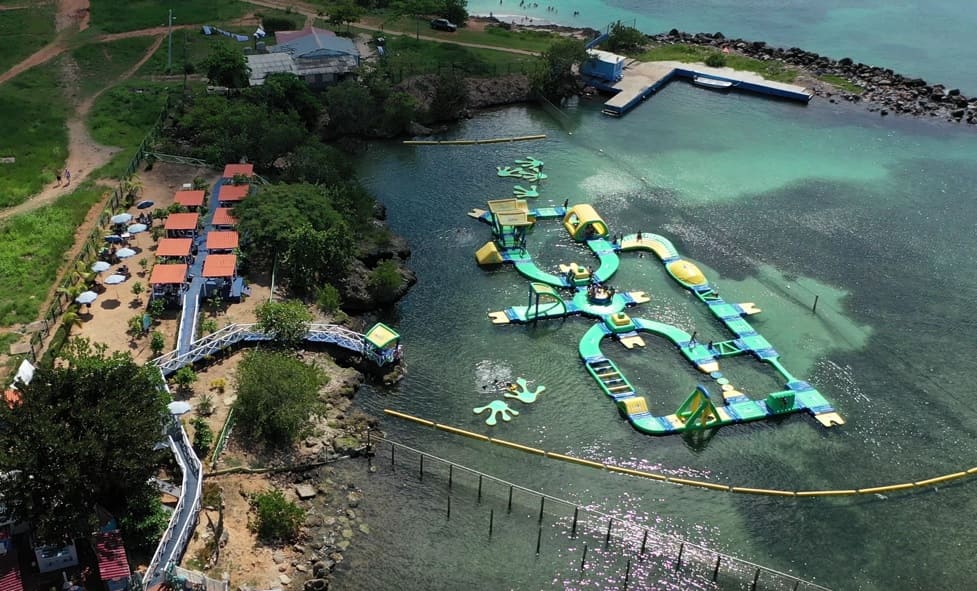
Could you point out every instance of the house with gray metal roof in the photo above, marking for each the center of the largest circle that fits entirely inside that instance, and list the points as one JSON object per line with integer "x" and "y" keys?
{"x": 317, "y": 56}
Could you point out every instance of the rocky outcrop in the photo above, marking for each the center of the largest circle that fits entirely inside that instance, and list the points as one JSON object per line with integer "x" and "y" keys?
{"x": 481, "y": 92}
{"x": 884, "y": 91}
{"x": 355, "y": 287}
{"x": 493, "y": 92}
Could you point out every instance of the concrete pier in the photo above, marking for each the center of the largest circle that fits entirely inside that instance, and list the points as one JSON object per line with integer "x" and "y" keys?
{"x": 643, "y": 79}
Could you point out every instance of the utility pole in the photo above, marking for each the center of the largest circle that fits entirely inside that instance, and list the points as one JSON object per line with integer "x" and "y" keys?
{"x": 169, "y": 52}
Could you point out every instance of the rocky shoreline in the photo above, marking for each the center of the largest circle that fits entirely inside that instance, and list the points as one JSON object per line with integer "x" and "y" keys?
{"x": 884, "y": 91}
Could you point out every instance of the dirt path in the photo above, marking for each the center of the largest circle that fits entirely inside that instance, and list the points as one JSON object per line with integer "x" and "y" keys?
{"x": 84, "y": 153}
{"x": 311, "y": 13}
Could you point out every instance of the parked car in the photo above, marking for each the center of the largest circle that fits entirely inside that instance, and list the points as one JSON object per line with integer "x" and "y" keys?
{"x": 443, "y": 24}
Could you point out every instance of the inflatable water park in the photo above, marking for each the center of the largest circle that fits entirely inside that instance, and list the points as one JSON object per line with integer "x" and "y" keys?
{"x": 582, "y": 290}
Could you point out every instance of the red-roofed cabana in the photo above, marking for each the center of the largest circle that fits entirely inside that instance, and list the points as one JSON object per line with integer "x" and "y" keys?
{"x": 111, "y": 553}
{"x": 233, "y": 170}
{"x": 174, "y": 247}
{"x": 223, "y": 217}
{"x": 220, "y": 265}
{"x": 227, "y": 240}
{"x": 181, "y": 224}
{"x": 189, "y": 198}
{"x": 169, "y": 274}
{"x": 232, "y": 193}
{"x": 10, "y": 572}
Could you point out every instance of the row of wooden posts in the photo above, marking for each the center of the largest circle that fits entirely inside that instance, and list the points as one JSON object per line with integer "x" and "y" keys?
{"x": 762, "y": 577}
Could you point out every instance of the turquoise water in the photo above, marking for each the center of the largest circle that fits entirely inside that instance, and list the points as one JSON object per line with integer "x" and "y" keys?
{"x": 778, "y": 203}
{"x": 931, "y": 39}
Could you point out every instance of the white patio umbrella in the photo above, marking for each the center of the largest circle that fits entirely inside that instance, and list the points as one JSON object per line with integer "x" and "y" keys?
{"x": 86, "y": 297}
{"x": 121, "y": 218}
{"x": 114, "y": 279}
{"x": 137, "y": 228}
{"x": 100, "y": 266}
{"x": 124, "y": 253}
{"x": 178, "y": 407}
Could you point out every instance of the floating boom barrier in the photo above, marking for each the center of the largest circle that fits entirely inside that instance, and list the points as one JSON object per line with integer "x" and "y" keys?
{"x": 497, "y": 140}
{"x": 918, "y": 484}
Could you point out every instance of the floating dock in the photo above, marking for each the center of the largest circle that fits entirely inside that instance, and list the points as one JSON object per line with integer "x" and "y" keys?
{"x": 643, "y": 79}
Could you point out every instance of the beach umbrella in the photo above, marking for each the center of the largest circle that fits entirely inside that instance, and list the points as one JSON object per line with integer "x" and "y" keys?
{"x": 114, "y": 279}
{"x": 178, "y": 407}
{"x": 86, "y": 297}
{"x": 122, "y": 218}
{"x": 144, "y": 204}
{"x": 137, "y": 228}
{"x": 124, "y": 253}
{"x": 100, "y": 266}
{"x": 113, "y": 239}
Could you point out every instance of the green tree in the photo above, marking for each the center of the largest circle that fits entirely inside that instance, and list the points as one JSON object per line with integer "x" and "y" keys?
{"x": 385, "y": 282}
{"x": 287, "y": 93}
{"x": 83, "y": 435}
{"x": 276, "y": 395}
{"x": 288, "y": 322}
{"x": 625, "y": 38}
{"x": 203, "y": 436}
{"x": 137, "y": 290}
{"x": 328, "y": 299}
{"x": 276, "y": 518}
{"x": 351, "y": 108}
{"x": 318, "y": 164}
{"x": 301, "y": 226}
{"x": 399, "y": 110}
{"x": 455, "y": 11}
{"x": 450, "y": 97}
{"x": 344, "y": 13}
{"x": 556, "y": 79}
{"x": 157, "y": 343}
{"x": 227, "y": 66}
{"x": 185, "y": 377}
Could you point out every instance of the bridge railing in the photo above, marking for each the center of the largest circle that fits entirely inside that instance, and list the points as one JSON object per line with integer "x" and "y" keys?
{"x": 235, "y": 333}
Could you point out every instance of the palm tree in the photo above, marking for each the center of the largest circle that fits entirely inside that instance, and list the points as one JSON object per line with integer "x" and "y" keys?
{"x": 72, "y": 291}
{"x": 131, "y": 186}
{"x": 71, "y": 319}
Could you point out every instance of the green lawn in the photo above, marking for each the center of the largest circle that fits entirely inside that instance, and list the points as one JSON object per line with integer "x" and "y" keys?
{"x": 25, "y": 31}
{"x": 123, "y": 115}
{"x": 32, "y": 130}
{"x": 536, "y": 41}
{"x": 100, "y": 64}
{"x": 407, "y": 56}
{"x": 195, "y": 46}
{"x": 33, "y": 249}
{"x": 771, "y": 70}
{"x": 115, "y": 16}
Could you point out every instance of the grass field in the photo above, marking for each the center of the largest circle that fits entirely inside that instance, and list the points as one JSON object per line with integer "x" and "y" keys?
{"x": 32, "y": 129}
{"x": 536, "y": 41}
{"x": 100, "y": 64}
{"x": 115, "y": 16}
{"x": 771, "y": 70}
{"x": 123, "y": 115}
{"x": 34, "y": 247}
{"x": 410, "y": 56}
{"x": 25, "y": 31}
{"x": 196, "y": 46}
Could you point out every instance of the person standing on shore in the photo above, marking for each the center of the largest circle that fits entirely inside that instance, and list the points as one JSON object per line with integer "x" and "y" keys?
{"x": 58, "y": 175}
{"x": 67, "y": 177}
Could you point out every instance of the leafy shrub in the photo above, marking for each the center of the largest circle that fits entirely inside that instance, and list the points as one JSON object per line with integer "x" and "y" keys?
{"x": 157, "y": 342}
{"x": 276, "y": 518}
{"x": 716, "y": 60}
{"x": 385, "y": 281}
{"x": 203, "y": 436}
{"x": 327, "y": 299}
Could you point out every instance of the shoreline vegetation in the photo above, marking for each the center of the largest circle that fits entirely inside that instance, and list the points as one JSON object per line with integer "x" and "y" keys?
{"x": 320, "y": 230}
